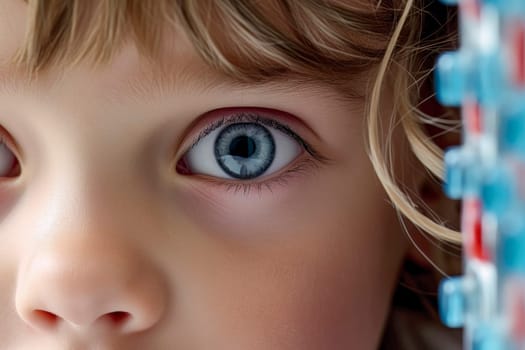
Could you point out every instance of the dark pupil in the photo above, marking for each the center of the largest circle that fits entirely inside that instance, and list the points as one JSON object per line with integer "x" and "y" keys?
{"x": 242, "y": 146}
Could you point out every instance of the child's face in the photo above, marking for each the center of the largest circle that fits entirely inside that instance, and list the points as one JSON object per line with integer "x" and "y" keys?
{"x": 106, "y": 244}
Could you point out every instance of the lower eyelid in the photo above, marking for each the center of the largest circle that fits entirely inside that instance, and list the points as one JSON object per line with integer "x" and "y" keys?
{"x": 302, "y": 167}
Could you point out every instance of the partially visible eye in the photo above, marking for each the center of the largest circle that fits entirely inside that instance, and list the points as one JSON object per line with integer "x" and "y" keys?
{"x": 9, "y": 165}
{"x": 242, "y": 151}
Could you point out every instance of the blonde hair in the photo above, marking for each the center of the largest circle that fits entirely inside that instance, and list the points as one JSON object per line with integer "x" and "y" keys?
{"x": 326, "y": 40}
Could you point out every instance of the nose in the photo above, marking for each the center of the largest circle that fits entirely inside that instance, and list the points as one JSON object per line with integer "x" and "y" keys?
{"x": 86, "y": 282}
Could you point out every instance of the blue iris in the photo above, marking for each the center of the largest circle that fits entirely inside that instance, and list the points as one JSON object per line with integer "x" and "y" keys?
{"x": 244, "y": 150}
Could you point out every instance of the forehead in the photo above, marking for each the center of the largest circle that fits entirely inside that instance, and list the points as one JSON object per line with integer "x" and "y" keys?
{"x": 13, "y": 18}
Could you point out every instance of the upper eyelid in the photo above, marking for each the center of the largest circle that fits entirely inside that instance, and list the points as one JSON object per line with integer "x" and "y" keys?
{"x": 260, "y": 115}
{"x": 245, "y": 117}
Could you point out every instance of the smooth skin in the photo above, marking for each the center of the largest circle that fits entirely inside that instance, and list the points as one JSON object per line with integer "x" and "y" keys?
{"x": 106, "y": 245}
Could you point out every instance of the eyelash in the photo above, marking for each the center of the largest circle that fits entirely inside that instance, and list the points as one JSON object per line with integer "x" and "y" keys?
{"x": 303, "y": 166}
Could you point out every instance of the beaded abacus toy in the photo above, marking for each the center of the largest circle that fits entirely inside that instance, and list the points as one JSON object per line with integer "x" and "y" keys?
{"x": 486, "y": 77}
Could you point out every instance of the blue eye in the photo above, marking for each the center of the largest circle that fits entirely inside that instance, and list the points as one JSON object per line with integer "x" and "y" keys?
{"x": 243, "y": 150}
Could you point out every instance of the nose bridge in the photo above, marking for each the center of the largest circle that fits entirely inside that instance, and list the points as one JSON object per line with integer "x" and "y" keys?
{"x": 84, "y": 148}
{"x": 85, "y": 188}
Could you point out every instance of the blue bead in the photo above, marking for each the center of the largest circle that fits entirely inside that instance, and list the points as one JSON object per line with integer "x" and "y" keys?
{"x": 511, "y": 256}
{"x": 486, "y": 337}
{"x": 450, "y": 79}
{"x": 491, "y": 83}
{"x": 497, "y": 191}
{"x": 512, "y": 132}
{"x": 454, "y": 173}
{"x": 507, "y": 7}
{"x": 499, "y": 4}
{"x": 452, "y": 302}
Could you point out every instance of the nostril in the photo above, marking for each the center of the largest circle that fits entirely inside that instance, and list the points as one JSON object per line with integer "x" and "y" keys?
{"x": 117, "y": 318}
{"x": 45, "y": 319}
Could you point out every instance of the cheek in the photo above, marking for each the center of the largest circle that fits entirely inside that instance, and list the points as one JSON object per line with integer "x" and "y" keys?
{"x": 306, "y": 296}
{"x": 314, "y": 269}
